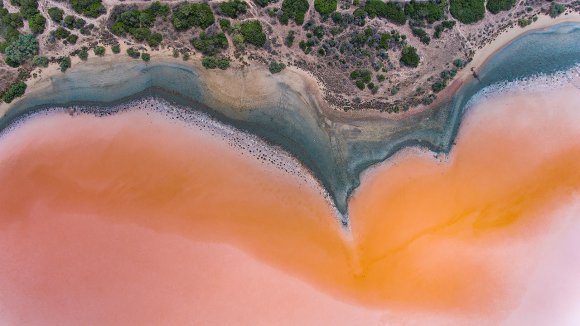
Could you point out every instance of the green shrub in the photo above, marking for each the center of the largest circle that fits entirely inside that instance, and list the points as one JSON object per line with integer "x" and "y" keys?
{"x": 188, "y": 15}
{"x": 430, "y": 11}
{"x": 409, "y": 56}
{"x": 79, "y": 23}
{"x": 495, "y": 6}
{"x": 225, "y": 25}
{"x": 99, "y": 50}
{"x": 83, "y": 54}
{"x": 116, "y": 48}
{"x": 556, "y": 9}
{"x": 438, "y": 86}
{"x": 439, "y": 28}
{"x": 276, "y": 67}
{"x": 65, "y": 63}
{"x": 145, "y": 57}
{"x": 23, "y": 48}
{"x": 212, "y": 62}
{"x": 72, "y": 39}
{"x": 294, "y": 9}
{"x": 37, "y": 23}
{"x": 154, "y": 39}
{"x": 69, "y": 21}
{"x": 89, "y": 8}
{"x": 133, "y": 53}
{"x": 61, "y": 33}
{"x": 289, "y": 41}
{"x": 467, "y": 11}
{"x": 262, "y": 3}
{"x": 210, "y": 44}
{"x": 56, "y": 14}
{"x": 458, "y": 63}
{"x": 523, "y": 22}
{"x": 422, "y": 35}
{"x": 16, "y": 90}
{"x": 252, "y": 32}
{"x": 40, "y": 61}
{"x": 390, "y": 10}
{"x": 325, "y": 7}
{"x": 233, "y": 8}
{"x": 360, "y": 84}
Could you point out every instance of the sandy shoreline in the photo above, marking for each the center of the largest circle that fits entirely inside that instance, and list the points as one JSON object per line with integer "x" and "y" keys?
{"x": 295, "y": 76}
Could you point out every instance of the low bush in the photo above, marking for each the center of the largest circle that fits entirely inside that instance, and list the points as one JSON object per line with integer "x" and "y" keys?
{"x": 325, "y": 7}
{"x": 467, "y": 11}
{"x": 233, "y": 8}
{"x": 252, "y": 32}
{"x": 276, "y": 67}
{"x": 64, "y": 63}
{"x": 409, "y": 56}
{"x": 212, "y": 62}
{"x": 16, "y": 90}
{"x": 188, "y": 15}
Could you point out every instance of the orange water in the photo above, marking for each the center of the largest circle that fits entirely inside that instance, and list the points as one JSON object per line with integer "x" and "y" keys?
{"x": 133, "y": 218}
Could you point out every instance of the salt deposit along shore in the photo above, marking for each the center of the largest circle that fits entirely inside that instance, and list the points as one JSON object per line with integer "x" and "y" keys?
{"x": 174, "y": 223}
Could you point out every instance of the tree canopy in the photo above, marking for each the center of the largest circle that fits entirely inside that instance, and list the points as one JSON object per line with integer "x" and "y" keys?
{"x": 188, "y": 15}
{"x": 23, "y": 48}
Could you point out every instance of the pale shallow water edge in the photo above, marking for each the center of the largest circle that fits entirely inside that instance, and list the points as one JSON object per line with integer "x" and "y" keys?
{"x": 334, "y": 146}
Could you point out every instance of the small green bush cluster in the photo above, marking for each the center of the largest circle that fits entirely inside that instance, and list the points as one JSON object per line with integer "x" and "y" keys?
{"x": 99, "y": 51}
{"x": 40, "y": 61}
{"x": 188, "y": 15}
{"x": 72, "y": 22}
{"x": 445, "y": 76}
{"x": 440, "y": 28}
{"x": 138, "y": 23}
{"x": 262, "y": 3}
{"x": 294, "y": 9}
{"x": 212, "y": 62}
{"x": 409, "y": 56}
{"x": 289, "y": 41}
{"x": 64, "y": 63}
{"x": 133, "y": 53}
{"x": 458, "y": 63}
{"x": 325, "y": 7}
{"x": 116, "y": 48}
{"x": 29, "y": 10}
{"x": 233, "y": 8}
{"x": 276, "y": 67}
{"x": 495, "y": 6}
{"x": 252, "y": 32}
{"x": 523, "y": 22}
{"x": 210, "y": 43}
{"x": 422, "y": 35}
{"x": 556, "y": 9}
{"x": 9, "y": 24}
{"x": 15, "y": 90}
{"x": 89, "y": 8}
{"x": 429, "y": 11}
{"x": 145, "y": 56}
{"x": 56, "y": 14}
{"x": 83, "y": 54}
{"x": 389, "y": 10}
{"x": 467, "y": 11}
{"x": 226, "y": 25}
{"x": 361, "y": 77}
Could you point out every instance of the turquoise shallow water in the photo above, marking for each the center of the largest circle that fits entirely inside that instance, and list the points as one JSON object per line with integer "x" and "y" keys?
{"x": 336, "y": 149}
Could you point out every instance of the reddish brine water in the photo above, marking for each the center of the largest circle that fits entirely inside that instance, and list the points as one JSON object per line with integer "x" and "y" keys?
{"x": 136, "y": 218}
